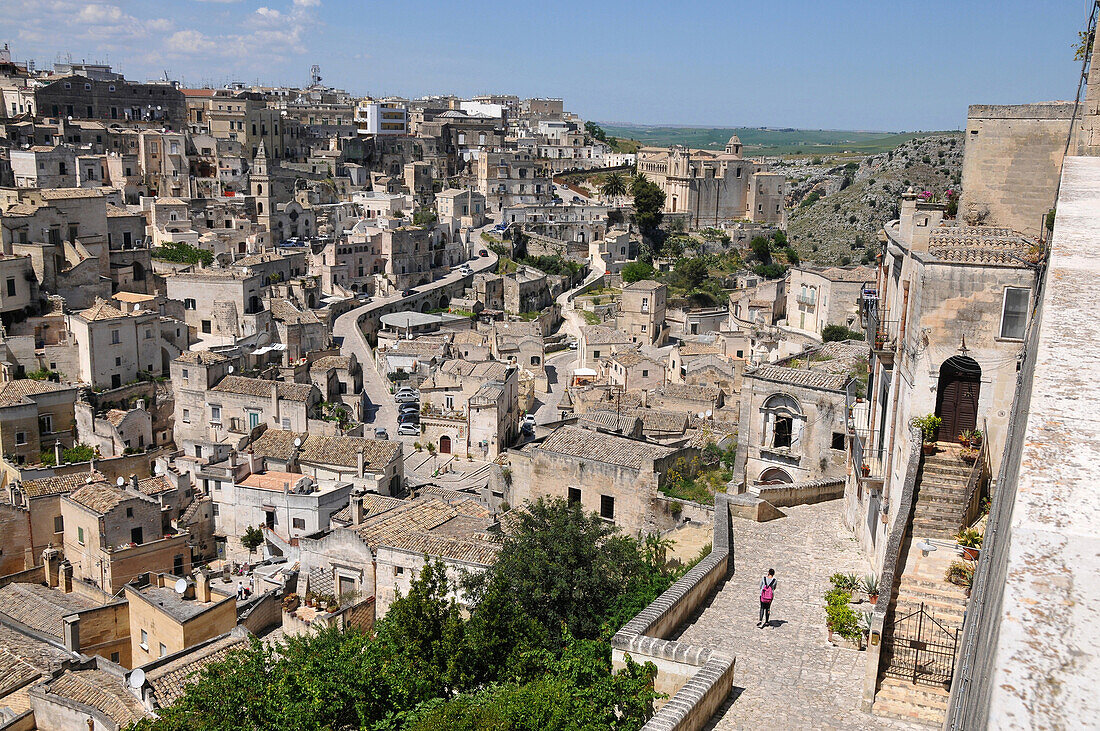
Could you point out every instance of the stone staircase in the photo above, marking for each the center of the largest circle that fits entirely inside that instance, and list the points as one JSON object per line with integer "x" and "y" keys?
{"x": 941, "y": 498}
{"x": 939, "y": 512}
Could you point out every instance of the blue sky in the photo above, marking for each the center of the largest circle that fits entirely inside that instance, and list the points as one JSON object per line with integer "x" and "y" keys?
{"x": 885, "y": 65}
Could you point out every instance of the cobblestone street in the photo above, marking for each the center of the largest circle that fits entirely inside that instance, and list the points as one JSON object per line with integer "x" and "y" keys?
{"x": 788, "y": 675}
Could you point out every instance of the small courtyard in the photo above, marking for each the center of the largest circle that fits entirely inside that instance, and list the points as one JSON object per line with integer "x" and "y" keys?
{"x": 788, "y": 675}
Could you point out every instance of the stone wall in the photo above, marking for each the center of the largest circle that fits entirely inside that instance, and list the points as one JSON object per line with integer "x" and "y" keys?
{"x": 697, "y": 679}
{"x": 800, "y": 493}
{"x": 1012, "y": 159}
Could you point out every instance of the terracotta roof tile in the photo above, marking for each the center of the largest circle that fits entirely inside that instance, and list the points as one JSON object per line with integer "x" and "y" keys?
{"x": 42, "y": 608}
{"x": 59, "y": 484}
{"x": 262, "y": 388}
{"x": 585, "y": 444}
{"x": 15, "y": 392}
{"x": 100, "y": 497}
{"x": 169, "y": 681}
{"x": 103, "y": 691}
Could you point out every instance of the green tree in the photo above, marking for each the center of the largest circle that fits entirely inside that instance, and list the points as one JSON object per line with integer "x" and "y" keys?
{"x": 425, "y": 631}
{"x": 614, "y": 185}
{"x": 636, "y": 271}
{"x": 761, "y": 249}
{"x": 595, "y": 131}
{"x": 771, "y": 271}
{"x": 692, "y": 272}
{"x": 252, "y": 539}
{"x": 649, "y": 202}
{"x": 832, "y": 333}
{"x": 715, "y": 234}
{"x": 565, "y": 567}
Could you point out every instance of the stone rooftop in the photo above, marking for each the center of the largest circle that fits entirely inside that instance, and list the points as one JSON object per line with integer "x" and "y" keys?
{"x": 432, "y": 526}
{"x": 19, "y": 391}
{"x": 828, "y": 367}
{"x": 42, "y": 608}
{"x": 103, "y": 691}
{"x": 262, "y": 388}
{"x": 59, "y": 484}
{"x": 335, "y": 450}
{"x": 102, "y": 497}
{"x": 202, "y": 357}
{"x": 573, "y": 441}
{"x": 174, "y": 605}
{"x": 171, "y": 679}
{"x": 603, "y": 335}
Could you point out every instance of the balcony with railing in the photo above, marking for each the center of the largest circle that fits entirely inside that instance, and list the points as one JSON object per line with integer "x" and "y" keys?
{"x": 882, "y": 334}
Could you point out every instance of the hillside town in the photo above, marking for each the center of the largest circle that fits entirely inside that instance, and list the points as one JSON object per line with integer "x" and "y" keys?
{"x": 278, "y": 361}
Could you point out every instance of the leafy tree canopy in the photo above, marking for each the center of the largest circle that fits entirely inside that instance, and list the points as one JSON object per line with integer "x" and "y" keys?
{"x": 636, "y": 271}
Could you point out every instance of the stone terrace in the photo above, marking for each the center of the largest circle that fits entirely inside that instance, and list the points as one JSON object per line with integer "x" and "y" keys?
{"x": 787, "y": 675}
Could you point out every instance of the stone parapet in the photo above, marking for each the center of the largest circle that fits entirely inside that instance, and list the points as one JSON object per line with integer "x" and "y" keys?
{"x": 697, "y": 679}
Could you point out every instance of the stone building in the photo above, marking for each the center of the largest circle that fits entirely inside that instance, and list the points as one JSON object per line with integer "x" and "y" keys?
{"x": 81, "y": 97}
{"x": 36, "y": 504}
{"x": 632, "y": 369}
{"x": 117, "y": 431}
{"x": 114, "y": 534}
{"x": 526, "y": 290}
{"x": 34, "y": 417}
{"x": 715, "y": 187}
{"x": 381, "y": 544}
{"x": 467, "y": 206}
{"x": 820, "y": 297}
{"x": 794, "y": 417}
{"x": 221, "y": 305}
{"x": 371, "y": 464}
{"x": 616, "y": 477}
{"x": 472, "y": 409}
{"x": 598, "y": 342}
{"x": 1011, "y": 163}
{"x": 115, "y": 347}
{"x": 945, "y": 333}
{"x": 164, "y": 620}
{"x": 642, "y": 312}
{"x": 509, "y": 178}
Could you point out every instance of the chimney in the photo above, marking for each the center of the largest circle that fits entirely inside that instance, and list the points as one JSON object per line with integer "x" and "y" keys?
{"x": 356, "y": 510}
{"x": 65, "y": 577}
{"x": 360, "y": 460}
{"x": 202, "y": 586}
{"x": 251, "y": 463}
{"x": 134, "y": 482}
{"x": 645, "y": 398}
{"x": 71, "y": 633}
{"x": 233, "y": 458}
{"x": 50, "y": 558}
{"x": 57, "y": 452}
{"x": 140, "y": 404}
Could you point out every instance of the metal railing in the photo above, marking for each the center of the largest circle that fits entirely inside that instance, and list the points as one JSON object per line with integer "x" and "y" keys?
{"x": 867, "y": 457}
{"x": 976, "y": 480}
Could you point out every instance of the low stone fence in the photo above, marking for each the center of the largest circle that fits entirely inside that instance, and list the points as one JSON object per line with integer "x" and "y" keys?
{"x": 806, "y": 492}
{"x": 697, "y": 679}
{"x": 262, "y": 612}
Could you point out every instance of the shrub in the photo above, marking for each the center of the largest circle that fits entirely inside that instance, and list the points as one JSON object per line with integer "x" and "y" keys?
{"x": 182, "y": 253}
{"x": 960, "y": 573}
{"x": 636, "y": 271}
{"x": 839, "y": 616}
{"x": 928, "y": 424}
{"x": 835, "y": 333}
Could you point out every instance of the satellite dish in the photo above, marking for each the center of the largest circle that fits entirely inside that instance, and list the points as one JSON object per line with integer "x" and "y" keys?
{"x": 231, "y": 369}
{"x": 709, "y": 413}
{"x": 297, "y": 441}
{"x": 137, "y": 678}
{"x": 181, "y": 586}
{"x": 120, "y": 482}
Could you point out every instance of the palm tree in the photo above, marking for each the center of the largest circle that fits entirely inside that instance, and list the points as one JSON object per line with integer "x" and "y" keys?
{"x": 635, "y": 180}
{"x": 614, "y": 185}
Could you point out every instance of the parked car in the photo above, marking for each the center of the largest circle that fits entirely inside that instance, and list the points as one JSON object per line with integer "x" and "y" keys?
{"x": 407, "y": 398}
{"x": 408, "y": 419}
{"x": 528, "y": 423}
{"x": 409, "y": 408}
{"x": 483, "y": 252}
{"x": 577, "y": 199}
{"x": 572, "y": 344}
{"x": 465, "y": 271}
{"x": 408, "y": 430}
{"x": 408, "y": 293}
{"x": 381, "y": 433}
{"x": 406, "y": 391}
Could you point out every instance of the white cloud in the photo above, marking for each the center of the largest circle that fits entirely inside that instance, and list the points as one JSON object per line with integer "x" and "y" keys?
{"x": 306, "y": 3}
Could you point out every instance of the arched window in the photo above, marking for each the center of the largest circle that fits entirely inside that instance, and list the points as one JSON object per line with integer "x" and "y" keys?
{"x": 783, "y": 420}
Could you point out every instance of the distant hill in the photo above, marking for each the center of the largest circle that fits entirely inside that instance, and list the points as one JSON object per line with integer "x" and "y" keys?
{"x": 837, "y": 204}
{"x": 766, "y": 141}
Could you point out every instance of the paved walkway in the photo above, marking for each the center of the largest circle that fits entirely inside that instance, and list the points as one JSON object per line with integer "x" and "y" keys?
{"x": 788, "y": 676}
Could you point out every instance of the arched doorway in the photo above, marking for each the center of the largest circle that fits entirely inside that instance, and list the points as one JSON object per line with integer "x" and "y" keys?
{"x": 957, "y": 398}
{"x": 444, "y": 444}
{"x": 774, "y": 476}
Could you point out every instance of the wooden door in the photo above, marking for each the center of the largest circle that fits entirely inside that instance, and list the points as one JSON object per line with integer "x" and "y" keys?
{"x": 957, "y": 401}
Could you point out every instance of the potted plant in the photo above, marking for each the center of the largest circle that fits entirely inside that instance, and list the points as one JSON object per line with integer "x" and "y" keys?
{"x": 290, "y": 602}
{"x": 965, "y": 437}
{"x": 970, "y": 541}
{"x": 870, "y": 586}
{"x": 928, "y": 425}
{"x": 865, "y": 469}
{"x": 961, "y": 573}
{"x": 969, "y": 455}
{"x": 976, "y": 439}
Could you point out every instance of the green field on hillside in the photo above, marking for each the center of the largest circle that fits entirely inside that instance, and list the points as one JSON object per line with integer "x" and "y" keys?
{"x": 766, "y": 141}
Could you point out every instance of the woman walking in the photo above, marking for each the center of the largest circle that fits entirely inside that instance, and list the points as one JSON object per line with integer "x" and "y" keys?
{"x": 767, "y": 593}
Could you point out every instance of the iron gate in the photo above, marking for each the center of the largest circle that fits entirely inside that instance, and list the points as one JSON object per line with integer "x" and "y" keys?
{"x": 920, "y": 649}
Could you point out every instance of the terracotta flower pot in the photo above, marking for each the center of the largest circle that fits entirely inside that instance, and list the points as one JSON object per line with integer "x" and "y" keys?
{"x": 970, "y": 553}
{"x": 929, "y": 448}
